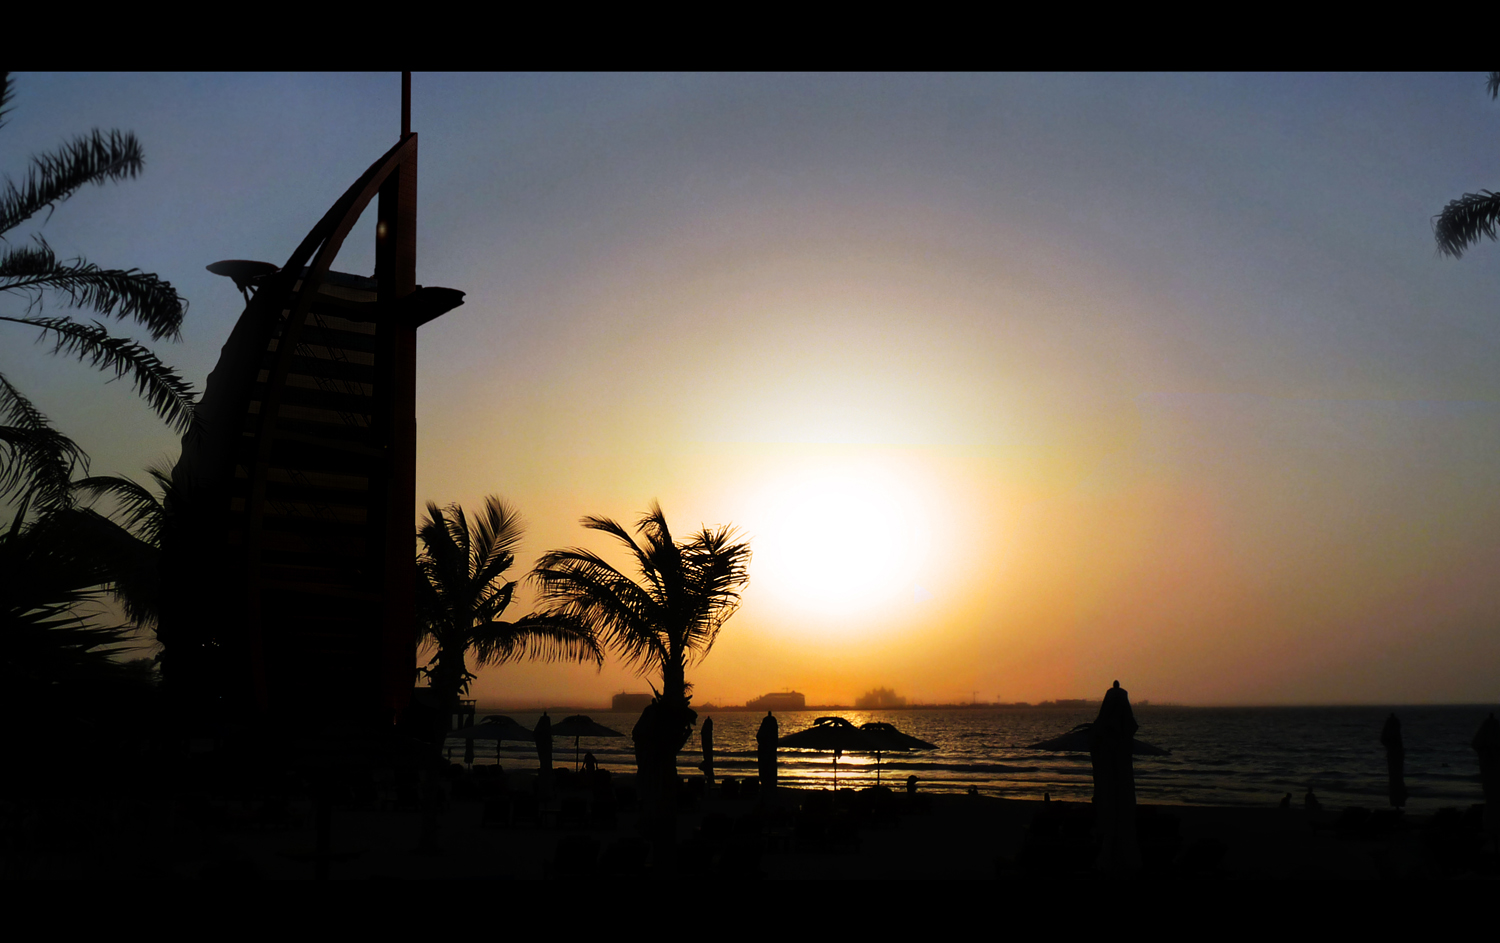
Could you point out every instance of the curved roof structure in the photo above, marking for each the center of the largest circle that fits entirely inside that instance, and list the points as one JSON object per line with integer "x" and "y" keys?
{"x": 289, "y": 554}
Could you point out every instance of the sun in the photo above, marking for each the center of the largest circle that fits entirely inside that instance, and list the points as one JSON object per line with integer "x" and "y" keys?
{"x": 843, "y": 540}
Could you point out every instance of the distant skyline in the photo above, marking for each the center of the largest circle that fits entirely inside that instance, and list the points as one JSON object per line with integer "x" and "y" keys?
{"x": 1017, "y": 384}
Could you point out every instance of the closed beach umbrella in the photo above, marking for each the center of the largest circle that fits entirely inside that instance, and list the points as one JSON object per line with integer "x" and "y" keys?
{"x": 891, "y": 739}
{"x": 765, "y": 749}
{"x": 1110, "y": 743}
{"x": 706, "y": 737}
{"x": 1395, "y": 760}
{"x": 1114, "y": 781}
{"x": 580, "y": 726}
{"x": 1487, "y": 744}
{"x": 834, "y": 734}
{"x": 543, "y": 737}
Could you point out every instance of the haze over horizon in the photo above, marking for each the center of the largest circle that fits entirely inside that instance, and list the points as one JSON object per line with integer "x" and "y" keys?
{"x": 1017, "y": 384}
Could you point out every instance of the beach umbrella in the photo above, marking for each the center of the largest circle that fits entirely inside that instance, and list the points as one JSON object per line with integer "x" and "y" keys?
{"x": 1110, "y": 742}
{"x": 579, "y": 726}
{"x": 834, "y": 734}
{"x": 891, "y": 739}
{"x": 1114, "y": 782}
{"x": 495, "y": 727}
{"x": 1487, "y": 744}
{"x": 1395, "y": 760}
{"x": 706, "y": 737}
{"x": 542, "y": 735}
{"x": 765, "y": 749}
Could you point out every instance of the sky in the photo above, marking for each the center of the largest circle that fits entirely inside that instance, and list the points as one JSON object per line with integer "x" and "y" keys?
{"x": 1016, "y": 384}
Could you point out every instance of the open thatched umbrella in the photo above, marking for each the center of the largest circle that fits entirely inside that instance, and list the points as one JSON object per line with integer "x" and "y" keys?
{"x": 579, "y": 726}
{"x": 835, "y": 734}
{"x": 891, "y": 739}
{"x": 495, "y": 727}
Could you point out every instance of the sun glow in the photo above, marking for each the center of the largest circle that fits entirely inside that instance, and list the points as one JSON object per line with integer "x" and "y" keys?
{"x": 841, "y": 541}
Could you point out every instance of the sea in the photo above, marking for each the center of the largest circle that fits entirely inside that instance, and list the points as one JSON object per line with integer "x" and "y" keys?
{"x": 1227, "y": 756}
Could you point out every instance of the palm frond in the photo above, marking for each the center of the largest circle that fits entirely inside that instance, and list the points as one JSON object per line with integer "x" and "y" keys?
{"x": 54, "y": 177}
{"x": 536, "y": 638}
{"x": 461, "y": 594}
{"x": 670, "y": 619}
{"x": 35, "y": 458}
{"x": 1465, "y": 221}
{"x": 7, "y": 95}
{"x": 116, "y": 560}
{"x": 496, "y": 536}
{"x": 140, "y": 510}
{"x": 125, "y": 294}
{"x": 167, "y": 393}
{"x": 49, "y": 603}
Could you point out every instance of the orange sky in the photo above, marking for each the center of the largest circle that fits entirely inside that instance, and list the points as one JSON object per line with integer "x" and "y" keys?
{"x": 1017, "y": 385}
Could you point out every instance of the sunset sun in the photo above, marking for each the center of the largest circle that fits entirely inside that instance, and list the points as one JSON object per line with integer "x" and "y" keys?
{"x": 840, "y": 541}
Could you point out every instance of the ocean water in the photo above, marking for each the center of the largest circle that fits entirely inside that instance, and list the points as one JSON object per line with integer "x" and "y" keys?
{"x": 1220, "y": 756}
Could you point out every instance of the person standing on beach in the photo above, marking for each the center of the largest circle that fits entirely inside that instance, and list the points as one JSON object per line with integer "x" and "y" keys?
{"x": 765, "y": 741}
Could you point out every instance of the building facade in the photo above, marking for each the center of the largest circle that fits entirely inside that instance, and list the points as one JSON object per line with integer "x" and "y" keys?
{"x": 289, "y": 554}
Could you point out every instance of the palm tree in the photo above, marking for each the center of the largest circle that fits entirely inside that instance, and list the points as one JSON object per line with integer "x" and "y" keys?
{"x": 129, "y": 541}
{"x": 59, "y": 569}
{"x": 661, "y": 624}
{"x": 1464, "y": 221}
{"x": 461, "y": 594}
{"x": 32, "y": 454}
{"x": 55, "y": 651}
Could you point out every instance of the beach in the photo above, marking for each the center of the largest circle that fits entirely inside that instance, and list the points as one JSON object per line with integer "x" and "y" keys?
{"x": 933, "y": 837}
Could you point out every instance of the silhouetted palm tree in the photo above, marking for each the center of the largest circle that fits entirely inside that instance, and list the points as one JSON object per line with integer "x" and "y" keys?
{"x": 461, "y": 594}
{"x": 54, "y": 650}
{"x": 664, "y": 622}
{"x": 32, "y": 454}
{"x": 667, "y": 620}
{"x": 58, "y": 570}
{"x": 1473, "y": 216}
{"x": 129, "y": 540}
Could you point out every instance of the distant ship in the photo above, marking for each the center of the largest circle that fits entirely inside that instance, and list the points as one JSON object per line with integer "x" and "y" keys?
{"x": 784, "y": 701}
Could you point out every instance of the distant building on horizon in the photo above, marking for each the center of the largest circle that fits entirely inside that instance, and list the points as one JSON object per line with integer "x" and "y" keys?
{"x": 626, "y": 703}
{"x": 879, "y": 699}
{"x": 783, "y": 701}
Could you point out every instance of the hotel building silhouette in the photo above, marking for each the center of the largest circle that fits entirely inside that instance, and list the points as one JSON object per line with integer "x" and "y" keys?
{"x": 289, "y": 553}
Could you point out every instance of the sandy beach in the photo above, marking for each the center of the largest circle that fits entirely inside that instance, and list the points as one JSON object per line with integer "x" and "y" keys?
{"x": 941, "y": 837}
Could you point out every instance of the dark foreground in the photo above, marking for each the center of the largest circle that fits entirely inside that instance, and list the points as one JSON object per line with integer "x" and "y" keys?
{"x": 469, "y": 828}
